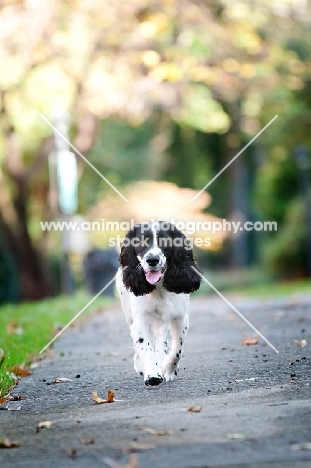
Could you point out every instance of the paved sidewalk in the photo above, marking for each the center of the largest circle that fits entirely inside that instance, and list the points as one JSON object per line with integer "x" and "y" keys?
{"x": 256, "y": 405}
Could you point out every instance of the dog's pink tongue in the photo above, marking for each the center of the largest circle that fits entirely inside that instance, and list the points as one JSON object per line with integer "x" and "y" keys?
{"x": 153, "y": 276}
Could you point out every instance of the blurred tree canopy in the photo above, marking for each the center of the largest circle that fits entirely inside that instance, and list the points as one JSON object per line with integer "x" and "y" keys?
{"x": 164, "y": 89}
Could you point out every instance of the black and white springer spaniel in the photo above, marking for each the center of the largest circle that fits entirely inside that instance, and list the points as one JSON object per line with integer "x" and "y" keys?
{"x": 154, "y": 283}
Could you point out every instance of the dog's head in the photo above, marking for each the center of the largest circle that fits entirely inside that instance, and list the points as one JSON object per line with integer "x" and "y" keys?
{"x": 158, "y": 253}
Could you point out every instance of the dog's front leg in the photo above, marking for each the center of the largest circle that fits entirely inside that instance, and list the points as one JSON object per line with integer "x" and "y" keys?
{"x": 179, "y": 328}
{"x": 145, "y": 358}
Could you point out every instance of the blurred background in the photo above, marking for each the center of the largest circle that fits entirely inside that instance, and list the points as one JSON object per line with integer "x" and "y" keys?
{"x": 159, "y": 96}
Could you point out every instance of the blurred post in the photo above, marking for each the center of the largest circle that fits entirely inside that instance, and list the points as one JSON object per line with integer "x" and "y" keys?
{"x": 66, "y": 168}
{"x": 301, "y": 153}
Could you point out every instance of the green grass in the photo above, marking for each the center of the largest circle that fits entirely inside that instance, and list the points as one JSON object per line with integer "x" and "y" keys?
{"x": 252, "y": 282}
{"x": 282, "y": 288}
{"x": 36, "y": 323}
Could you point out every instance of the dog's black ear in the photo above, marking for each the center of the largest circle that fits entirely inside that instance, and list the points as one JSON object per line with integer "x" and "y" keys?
{"x": 133, "y": 274}
{"x": 180, "y": 277}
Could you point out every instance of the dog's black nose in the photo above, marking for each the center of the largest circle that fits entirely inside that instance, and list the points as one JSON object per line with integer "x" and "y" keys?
{"x": 152, "y": 260}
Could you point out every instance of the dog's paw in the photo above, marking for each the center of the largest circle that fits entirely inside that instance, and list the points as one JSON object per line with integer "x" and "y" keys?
{"x": 153, "y": 380}
{"x": 169, "y": 371}
{"x": 168, "y": 376}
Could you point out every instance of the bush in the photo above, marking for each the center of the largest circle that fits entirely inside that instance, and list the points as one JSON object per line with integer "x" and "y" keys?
{"x": 285, "y": 254}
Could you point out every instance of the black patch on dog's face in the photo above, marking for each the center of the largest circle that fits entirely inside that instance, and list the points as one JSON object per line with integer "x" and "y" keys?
{"x": 143, "y": 239}
{"x": 179, "y": 276}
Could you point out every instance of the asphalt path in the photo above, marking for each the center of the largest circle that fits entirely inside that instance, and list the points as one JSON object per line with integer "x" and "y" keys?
{"x": 252, "y": 406}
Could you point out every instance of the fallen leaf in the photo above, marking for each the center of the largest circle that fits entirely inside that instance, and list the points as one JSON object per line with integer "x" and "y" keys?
{"x": 6, "y": 443}
{"x": 16, "y": 408}
{"x": 140, "y": 446}
{"x": 19, "y": 371}
{"x": 243, "y": 380}
{"x": 14, "y": 327}
{"x": 100, "y": 401}
{"x": 2, "y": 400}
{"x": 132, "y": 463}
{"x": 249, "y": 341}
{"x": 72, "y": 452}
{"x": 194, "y": 409}
{"x": 16, "y": 397}
{"x": 88, "y": 442}
{"x": 59, "y": 380}
{"x": 303, "y": 446}
{"x": 43, "y": 424}
{"x": 236, "y": 436}
{"x": 301, "y": 343}
{"x": 34, "y": 365}
{"x": 160, "y": 432}
{"x": 4, "y": 408}
{"x": 7, "y": 407}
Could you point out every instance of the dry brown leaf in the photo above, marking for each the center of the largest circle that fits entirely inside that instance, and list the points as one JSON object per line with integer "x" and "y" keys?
{"x": 19, "y": 371}
{"x": 2, "y": 400}
{"x": 301, "y": 343}
{"x": 72, "y": 452}
{"x": 160, "y": 432}
{"x": 249, "y": 341}
{"x": 100, "y": 401}
{"x": 16, "y": 397}
{"x": 14, "y": 327}
{"x": 6, "y": 443}
{"x": 194, "y": 409}
{"x": 10, "y": 327}
{"x": 44, "y": 424}
{"x": 88, "y": 442}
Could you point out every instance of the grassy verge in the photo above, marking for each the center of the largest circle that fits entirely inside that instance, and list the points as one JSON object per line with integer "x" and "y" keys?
{"x": 252, "y": 282}
{"x": 283, "y": 288}
{"x": 26, "y": 328}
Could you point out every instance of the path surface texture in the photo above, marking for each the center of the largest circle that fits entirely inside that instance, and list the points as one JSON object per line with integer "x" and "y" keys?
{"x": 252, "y": 406}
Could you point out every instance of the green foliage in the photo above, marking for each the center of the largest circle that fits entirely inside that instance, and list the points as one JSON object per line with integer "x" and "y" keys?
{"x": 276, "y": 185}
{"x": 285, "y": 254}
{"x": 189, "y": 157}
{"x": 202, "y": 112}
{"x": 122, "y": 153}
{"x": 166, "y": 83}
